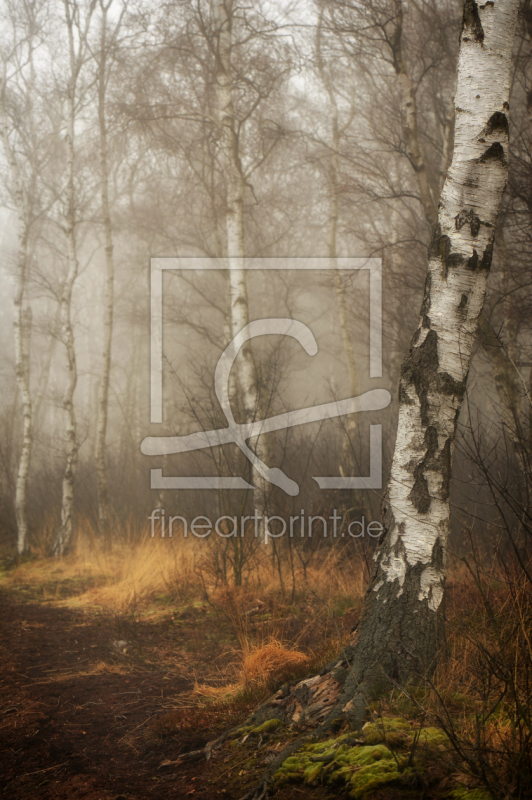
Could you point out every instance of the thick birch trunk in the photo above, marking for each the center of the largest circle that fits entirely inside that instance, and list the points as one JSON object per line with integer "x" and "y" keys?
{"x": 103, "y": 391}
{"x": 239, "y": 310}
{"x": 415, "y": 155}
{"x": 400, "y": 626}
{"x": 22, "y": 356}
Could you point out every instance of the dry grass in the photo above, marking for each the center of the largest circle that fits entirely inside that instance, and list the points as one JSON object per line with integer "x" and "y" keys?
{"x": 101, "y": 668}
{"x": 272, "y": 659}
{"x": 141, "y": 569}
{"x": 260, "y": 666}
{"x": 480, "y": 693}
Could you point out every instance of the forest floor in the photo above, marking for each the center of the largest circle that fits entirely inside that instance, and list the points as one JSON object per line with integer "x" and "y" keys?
{"x": 79, "y": 717}
{"x": 108, "y": 675}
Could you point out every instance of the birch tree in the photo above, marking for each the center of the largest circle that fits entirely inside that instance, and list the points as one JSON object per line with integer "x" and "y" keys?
{"x": 234, "y": 223}
{"x": 107, "y": 39}
{"x": 77, "y": 28}
{"x": 21, "y": 144}
{"x": 400, "y": 630}
{"x": 22, "y": 370}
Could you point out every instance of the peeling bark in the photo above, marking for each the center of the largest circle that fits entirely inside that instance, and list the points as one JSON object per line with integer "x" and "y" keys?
{"x": 400, "y": 629}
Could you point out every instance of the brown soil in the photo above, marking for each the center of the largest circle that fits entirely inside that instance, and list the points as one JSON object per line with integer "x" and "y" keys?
{"x": 80, "y": 719}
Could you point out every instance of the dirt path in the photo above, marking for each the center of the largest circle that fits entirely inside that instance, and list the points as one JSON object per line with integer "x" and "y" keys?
{"x": 92, "y": 703}
{"x": 77, "y": 716}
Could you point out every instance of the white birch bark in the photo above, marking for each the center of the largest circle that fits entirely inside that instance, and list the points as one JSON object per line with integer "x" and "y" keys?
{"x": 103, "y": 389}
{"x": 22, "y": 356}
{"x": 76, "y": 48}
{"x": 400, "y": 624}
{"x": 234, "y": 218}
{"x": 414, "y": 151}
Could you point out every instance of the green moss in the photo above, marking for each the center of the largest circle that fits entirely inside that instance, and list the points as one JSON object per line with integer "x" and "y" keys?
{"x": 268, "y": 726}
{"x": 432, "y": 737}
{"x": 393, "y": 732}
{"x": 471, "y": 794}
{"x": 372, "y": 777}
{"x": 360, "y": 769}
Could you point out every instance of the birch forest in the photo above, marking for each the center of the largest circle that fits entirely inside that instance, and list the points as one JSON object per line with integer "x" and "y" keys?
{"x": 266, "y": 399}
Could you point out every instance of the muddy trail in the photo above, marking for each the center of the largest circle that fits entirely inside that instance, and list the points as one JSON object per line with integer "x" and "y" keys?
{"x": 92, "y": 704}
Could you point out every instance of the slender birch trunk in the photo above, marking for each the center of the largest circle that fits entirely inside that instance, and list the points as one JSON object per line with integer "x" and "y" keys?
{"x": 234, "y": 218}
{"x": 400, "y": 628}
{"x": 67, "y": 335}
{"x": 22, "y": 372}
{"x": 65, "y": 304}
{"x": 103, "y": 391}
{"x": 22, "y": 364}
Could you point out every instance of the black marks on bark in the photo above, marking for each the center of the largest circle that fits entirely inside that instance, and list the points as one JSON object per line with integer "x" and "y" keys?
{"x": 471, "y": 25}
{"x": 495, "y": 152}
{"x": 467, "y": 218}
{"x": 472, "y": 263}
{"x": 425, "y": 305}
{"x": 434, "y": 460}
{"x": 486, "y": 258}
{"x": 420, "y": 370}
{"x": 447, "y": 385}
{"x": 418, "y": 366}
{"x": 399, "y": 550}
{"x": 463, "y": 302}
{"x": 445, "y": 466}
{"x": 404, "y": 399}
{"x": 497, "y": 123}
{"x": 438, "y": 555}
{"x": 440, "y": 248}
{"x": 419, "y": 495}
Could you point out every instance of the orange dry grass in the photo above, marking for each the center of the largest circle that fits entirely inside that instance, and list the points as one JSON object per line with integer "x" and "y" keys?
{"x": 137, "y": 571}
{"x": 262, "y": 663}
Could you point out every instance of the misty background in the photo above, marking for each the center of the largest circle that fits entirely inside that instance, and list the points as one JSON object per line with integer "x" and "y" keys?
{"x": 112, "y": 150}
